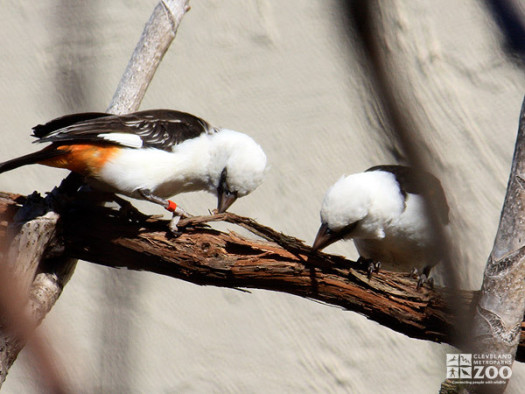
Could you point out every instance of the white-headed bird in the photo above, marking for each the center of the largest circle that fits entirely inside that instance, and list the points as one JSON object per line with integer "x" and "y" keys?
{"x": 383, "y": 212}
{"x": 150, "y": 155}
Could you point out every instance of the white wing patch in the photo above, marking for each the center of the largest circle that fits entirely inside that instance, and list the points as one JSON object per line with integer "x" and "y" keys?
{"x": 124, "y": 139}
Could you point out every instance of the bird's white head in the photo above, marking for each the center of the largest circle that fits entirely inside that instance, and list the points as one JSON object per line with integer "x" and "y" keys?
{"x": 358, "y": 206}
{"x": 239, "y": 166}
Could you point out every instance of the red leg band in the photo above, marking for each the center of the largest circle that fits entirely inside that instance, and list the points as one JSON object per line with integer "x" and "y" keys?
{"x": 171, "y": 206}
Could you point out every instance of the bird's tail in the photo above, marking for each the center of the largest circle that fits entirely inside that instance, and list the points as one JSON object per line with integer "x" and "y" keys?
{"x": 31, "y": 158}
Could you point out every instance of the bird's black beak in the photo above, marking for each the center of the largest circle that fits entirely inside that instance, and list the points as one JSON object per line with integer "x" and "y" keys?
{"x": 324, "y": 237}
{"x": 225, "y": 196}
{"x": 225, "y": 199}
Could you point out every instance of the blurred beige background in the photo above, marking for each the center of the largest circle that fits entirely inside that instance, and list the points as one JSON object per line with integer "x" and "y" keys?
{"x": 287, "y": 74}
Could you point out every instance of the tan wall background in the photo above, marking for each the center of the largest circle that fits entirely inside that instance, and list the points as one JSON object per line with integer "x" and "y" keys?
{"x": 287, "y": 74}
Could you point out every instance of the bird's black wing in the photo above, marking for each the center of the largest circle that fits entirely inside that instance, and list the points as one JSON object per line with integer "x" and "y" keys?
{"x": 161, "y": 129}
{"x": 408, "y": 183}
{"x": 45, "y": 129}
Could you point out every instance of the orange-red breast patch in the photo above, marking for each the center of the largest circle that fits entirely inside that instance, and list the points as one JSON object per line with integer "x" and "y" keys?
{"x": 84, "y": 159}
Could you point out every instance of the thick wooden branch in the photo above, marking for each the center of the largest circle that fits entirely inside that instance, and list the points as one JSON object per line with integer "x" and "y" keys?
{"x": 205, "y": 256}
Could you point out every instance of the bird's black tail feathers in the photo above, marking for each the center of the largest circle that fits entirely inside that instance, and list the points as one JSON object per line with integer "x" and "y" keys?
{"x": 31, "y": 158}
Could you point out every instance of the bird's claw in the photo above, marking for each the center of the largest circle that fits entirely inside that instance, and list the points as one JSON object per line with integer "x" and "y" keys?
{"x": 371, "y": 265}
{"x": 173, "y": 225}
{"x": 178, "y": 214}
{"x": 421, "y": 279}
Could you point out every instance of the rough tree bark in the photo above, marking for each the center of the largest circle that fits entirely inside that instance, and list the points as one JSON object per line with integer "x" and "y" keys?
{"x": 28, "y": 295}
{"x": 205, "y": 256}
{"x": 500, "y": 309}
{"x": 39, "y": 274}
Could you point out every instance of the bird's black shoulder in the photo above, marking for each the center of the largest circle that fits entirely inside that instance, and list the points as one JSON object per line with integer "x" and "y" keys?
{"x": 165, "y": 128}
{"x": 159, "y": 128}
{"x": 406, "y": 177}
{"x": 408, "y": 182}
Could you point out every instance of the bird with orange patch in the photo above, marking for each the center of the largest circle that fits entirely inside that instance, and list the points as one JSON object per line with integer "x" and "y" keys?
{"x": 150, "y": 155}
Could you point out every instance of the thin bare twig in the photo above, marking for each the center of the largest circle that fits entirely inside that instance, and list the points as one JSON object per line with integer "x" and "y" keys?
{"x": 156, "y": 38}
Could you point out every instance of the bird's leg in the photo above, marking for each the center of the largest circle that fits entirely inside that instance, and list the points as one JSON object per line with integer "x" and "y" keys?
{"x": 169, "y": 205}
{"x": 423, "y": 278}
{"x": 371, "y": 265}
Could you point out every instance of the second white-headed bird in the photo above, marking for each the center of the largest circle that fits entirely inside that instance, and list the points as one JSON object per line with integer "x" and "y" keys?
{"x": 151, "y": 155}
{"x": 383, "y": 212}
